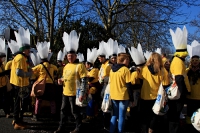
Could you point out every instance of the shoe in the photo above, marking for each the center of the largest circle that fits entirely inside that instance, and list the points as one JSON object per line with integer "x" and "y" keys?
{"x": 19, "y": 126}
{"x": 75, "y": 131}
{"x": 8, "y": 116}
{"x": 35, "y": 118}
{"x": 59, "y": 130}
{"x": 88, "y": 119}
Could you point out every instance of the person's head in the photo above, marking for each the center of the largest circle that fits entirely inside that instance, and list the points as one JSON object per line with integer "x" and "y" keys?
{"x": 194, "y": 61}
{"x": 88, "y": 65}
{"x": 113, "y": 59}
{"x": 2, "y": 57}
{"x": 25, "y": 49}
{"x": 156, "y": 61}
{"x": 71, "y": 57}
{"x": 59, "y": 62}
{"x": 102, "y": 58}
{"x": 123, "y": 58}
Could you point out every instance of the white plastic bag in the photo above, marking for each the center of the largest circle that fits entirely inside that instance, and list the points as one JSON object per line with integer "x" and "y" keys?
{"x": 84, "y": 102}
{"x": 160, "y": 106}
{"x": 173, "y": 92}
{"x": 106, "y": 104}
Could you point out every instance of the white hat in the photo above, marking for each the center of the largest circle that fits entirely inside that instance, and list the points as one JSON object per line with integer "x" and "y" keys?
{"x": 111, "y": 47}
{"x": 195, "y": 120}
{"x": 23, "y": 38}
{"x": 35, "y": 58}
{"x": 43, "y": 49}
{"x": 194, "y": 49}
{"x": 179, "y": 39}
{"x": 92, "y": 55}
{"x": 121, "y": 49}
{"x": 80, "y": 57}
{"x": 147, "y": 54}
{"x": 137, "y": 56}
{"x": 158, "y": 50}
{"x": 71, "y": 41}
{"x": 14, "y": 47}
{"x": 101, "y": 50}
{"x": 2, "y": 48}
{"x": 60, "y": 55}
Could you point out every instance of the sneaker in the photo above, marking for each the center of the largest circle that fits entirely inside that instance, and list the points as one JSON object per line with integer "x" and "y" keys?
{"x": 75, "y": 131}
{"x": 19, "y": 126}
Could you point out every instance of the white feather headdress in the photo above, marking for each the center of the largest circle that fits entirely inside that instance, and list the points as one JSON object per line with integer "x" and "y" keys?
{"x": 121, "y": 49}
{"x": 22, "y": 37}
{"x": 35, "y": 58}
{"x": 2, "y": 47}
{"x": 101, "y": 50}
{"x": 194, "y": 49}
{"x": 92, "y": 55}
{"x": 71, "y": 41}
{"x": 158, "y": 50}
{"x": 111, "y": 47}
{"x": 80, "y": 57}
{"x": 179, "y": 38}
{"x": 61, "y": 55}
{"x": 147, "y": 54}
{"x": 137, "y": 56}
{"x": 43, "y": 49}
{"x": 14, "y": 47}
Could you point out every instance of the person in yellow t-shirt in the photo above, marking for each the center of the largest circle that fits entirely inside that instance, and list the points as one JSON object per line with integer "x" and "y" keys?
{"x": 152, "y": 76}
{"x": 71, "y": 72}
{"x": 45, "y": 68}
{"x": 4, "y": 94}
{"x": 120, "y": 91}
{"x": 193, "y": 99}
{"x": 167, "y": 76}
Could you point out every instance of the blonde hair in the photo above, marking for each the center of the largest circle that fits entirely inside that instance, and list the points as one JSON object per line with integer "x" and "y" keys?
{"x": 156, "y": 61}
{"x": 121, "y": 57}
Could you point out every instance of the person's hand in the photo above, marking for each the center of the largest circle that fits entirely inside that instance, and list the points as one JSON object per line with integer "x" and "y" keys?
{"x": 60, "y": 81}
{"x": 81, "y": 98}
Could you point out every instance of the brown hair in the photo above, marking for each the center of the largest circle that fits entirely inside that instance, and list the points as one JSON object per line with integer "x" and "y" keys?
{"x": 155, "y": 60}
{"x": 121, "y": 57}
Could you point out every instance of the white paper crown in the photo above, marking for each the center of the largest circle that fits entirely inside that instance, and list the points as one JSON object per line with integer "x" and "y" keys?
{"x": 80, "y": 57}
{"x": 194, "y": 49}
{"x": 22, "y": 37}
{"x": 92, "y": 55}
{"x": 35, "y": 58}
{"x": 71, "y": 41}
{"x": 121, "y": 49}
{"x": 111, "y": 47}
{"x": 195, "y": 120}
{"x": 147, "y": 54}
{"x": 101, "y": 50}
{"x": 14, "y": 47}
{"x": 43, "y": 49}
{"x": 60, "y": 56}
{"x": 137, "y": 56}
{"x": 158, "y": 50}
{"x": 2, "y": 46}
{"x": 179, "y": 38}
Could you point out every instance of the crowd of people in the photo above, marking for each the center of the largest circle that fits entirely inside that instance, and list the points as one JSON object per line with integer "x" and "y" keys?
{"x": 127, "y": 80}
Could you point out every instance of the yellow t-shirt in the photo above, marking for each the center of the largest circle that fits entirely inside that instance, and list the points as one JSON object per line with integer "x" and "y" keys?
{"x": 166, "y": 78}
{"x": 118, "y": 80}
{"x": 177, "y": 67}
{"x": 135, "y": 78}
{"x": 195, "y": 89}
{"x": 71, "y": 73}
{"x": 8, "y": 65}
{"x": 104, "y": 71}
{"x": 19, "y": 62}
{"x": 3, "y": 78}
{"x": 150, "y": 84}
{"x": 93, "y": 73}
{"x": 41, "y": 71}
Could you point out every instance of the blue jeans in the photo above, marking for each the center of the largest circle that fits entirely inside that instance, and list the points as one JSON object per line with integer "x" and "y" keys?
{"x": 119, "y": 112}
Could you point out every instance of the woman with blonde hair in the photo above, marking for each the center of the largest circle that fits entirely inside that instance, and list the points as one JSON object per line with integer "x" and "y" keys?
{"x": 120, "y": 91}
{"x": 152, "y": 76}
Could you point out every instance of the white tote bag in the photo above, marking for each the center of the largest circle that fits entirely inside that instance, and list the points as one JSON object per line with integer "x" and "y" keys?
{"x": 173, "y": 92}
{"x": 106, "y": 104}
{"x": 160, "y": 106}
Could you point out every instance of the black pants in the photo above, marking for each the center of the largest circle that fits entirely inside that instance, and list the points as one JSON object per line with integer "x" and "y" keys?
{"x": 192, "y": 106}
{"x": 5, "y": 99}
{"x": 175, "y": 108}
{"x": 68, "y": 105}
{"x": 19, "y": 105}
